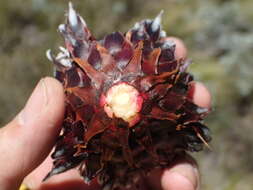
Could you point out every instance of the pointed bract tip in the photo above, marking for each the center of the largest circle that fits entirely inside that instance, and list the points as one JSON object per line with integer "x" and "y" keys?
{"x": 70, "y": 5}
{"x": 83, "y": 21}
{"x": 204, "y": 141}
{"x": 161, "y": 12}
{"x": 72, "y": 16}
{"x": 156, "y": 24}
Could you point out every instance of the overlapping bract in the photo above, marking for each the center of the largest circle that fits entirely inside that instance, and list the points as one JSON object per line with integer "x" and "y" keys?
{"x": 110, "y": 148}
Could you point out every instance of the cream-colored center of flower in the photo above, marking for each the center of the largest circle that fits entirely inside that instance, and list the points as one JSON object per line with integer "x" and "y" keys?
{"x": 123, "y": 101}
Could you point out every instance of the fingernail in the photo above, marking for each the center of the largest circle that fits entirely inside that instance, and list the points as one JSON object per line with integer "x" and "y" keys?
{"x": 35, "y": 104}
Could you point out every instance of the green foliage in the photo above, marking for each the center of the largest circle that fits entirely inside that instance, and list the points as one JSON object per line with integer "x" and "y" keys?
{"x": 218, "y": 34}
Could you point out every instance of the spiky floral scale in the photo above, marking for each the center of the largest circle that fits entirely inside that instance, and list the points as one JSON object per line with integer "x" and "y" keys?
{"x": 127, "y": 104}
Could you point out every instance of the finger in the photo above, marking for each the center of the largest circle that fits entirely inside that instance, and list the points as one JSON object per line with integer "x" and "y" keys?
{"x": 183, "y": 176}
{"x": 26, "y": 141}
{"x": 199, "y": 94}
{"x": 180, "y": 49}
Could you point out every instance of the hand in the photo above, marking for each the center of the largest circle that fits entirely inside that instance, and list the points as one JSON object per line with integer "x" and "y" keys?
{"x": 27, "y": 140}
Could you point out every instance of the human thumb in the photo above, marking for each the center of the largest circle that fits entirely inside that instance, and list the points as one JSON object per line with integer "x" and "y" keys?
{"x": 27, "y": 140}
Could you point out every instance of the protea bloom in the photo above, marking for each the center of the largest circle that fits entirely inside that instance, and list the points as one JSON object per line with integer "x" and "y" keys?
{"x": 127, "y": 109}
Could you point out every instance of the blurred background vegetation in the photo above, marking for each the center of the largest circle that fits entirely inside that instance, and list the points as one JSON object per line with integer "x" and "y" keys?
{"x": 218, "y": 34}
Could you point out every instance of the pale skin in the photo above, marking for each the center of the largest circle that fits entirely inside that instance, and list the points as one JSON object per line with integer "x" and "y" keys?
{"x": 26, "y": 143}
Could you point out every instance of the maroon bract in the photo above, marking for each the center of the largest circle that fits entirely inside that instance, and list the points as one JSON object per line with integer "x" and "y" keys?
{"x": 127, "y": 109}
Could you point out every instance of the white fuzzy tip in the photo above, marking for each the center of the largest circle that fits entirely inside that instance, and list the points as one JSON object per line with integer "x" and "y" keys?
{"x": 62, "y": 28}
{"x": 157, "y": 22}
{"x": 65, "y": 62}
{"x": 72, "y": 16}
{"x": 136, "y": 26}
{"x": 64, "y": 50}
{"x": 168, "y": 44}
{"x": 49, "y": 55}
{"x": 141, "y": 30}
{"x": 163, "y": 34}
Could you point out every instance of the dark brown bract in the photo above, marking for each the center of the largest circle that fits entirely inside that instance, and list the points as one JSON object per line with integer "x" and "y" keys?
{"x": 127, "y": 104}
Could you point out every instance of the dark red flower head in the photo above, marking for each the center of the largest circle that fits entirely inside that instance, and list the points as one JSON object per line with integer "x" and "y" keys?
{"x": 127, "y": 109}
